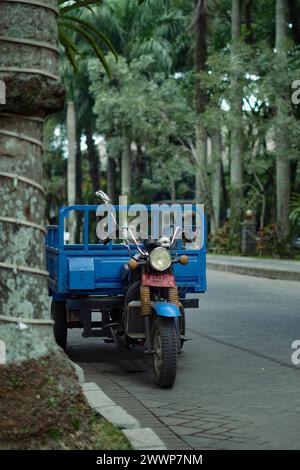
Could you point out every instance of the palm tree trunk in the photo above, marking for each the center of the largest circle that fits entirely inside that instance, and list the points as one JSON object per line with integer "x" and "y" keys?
{"x": 216, "y": 180}
{"x": 248, "y": 20}
{"x": 200, "y": 26}
{"x": 30, "y": 97}
{"x": 200, "y": 158}
{"x": 225, "y": 197}
{"x": 94, "y": 159}
{"x": 111, "y": 178}
{"x": 78, "y": 237}
{"x": 282, "y": 161}
{"x": 126, "y": 166}
{"x": 78, "y": 167}
{"x": 236, "y": 167}
{"x": 30, "y": 71}
{"x": 71, "y": 134}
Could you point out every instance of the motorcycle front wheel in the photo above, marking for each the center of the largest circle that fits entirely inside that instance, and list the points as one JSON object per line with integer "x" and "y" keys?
{"x": 165, "y": 350}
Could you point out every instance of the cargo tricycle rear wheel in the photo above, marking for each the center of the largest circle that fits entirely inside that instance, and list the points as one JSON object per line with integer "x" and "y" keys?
{"x": 60, "y": 327}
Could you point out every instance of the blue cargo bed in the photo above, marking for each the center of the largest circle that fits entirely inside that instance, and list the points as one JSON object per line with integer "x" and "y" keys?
{"x": 95, "y": 269}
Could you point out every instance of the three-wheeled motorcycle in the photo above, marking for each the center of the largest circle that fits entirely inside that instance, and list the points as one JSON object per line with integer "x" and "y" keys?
{"x": 137, "y": 287}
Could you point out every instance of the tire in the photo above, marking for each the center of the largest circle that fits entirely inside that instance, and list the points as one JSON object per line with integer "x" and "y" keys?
{"x": 164, "y": 345}
{"x": 60, "y": 327}
{"x": 133, "y": 293}
{"x": 182, "y": 329}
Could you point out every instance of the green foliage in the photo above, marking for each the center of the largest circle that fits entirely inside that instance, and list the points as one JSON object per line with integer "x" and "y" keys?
{"x": 149, "y": 99}
{"x": 55, "y": 434}
{"x": 75, "y": 23}
{"x": 158, "y": 118}
{"x": 295, "y": 209}
{"x": 55, "y": 167}
{"x": 71, "y": 20}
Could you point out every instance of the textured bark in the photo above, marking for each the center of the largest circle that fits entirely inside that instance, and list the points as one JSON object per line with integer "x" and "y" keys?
{"x": 78, "y": 237}
{"x": 200, "y": 26}
{"x": 94, "y": 159}
{"x": 78, "y": 168}
{"x": 29, "y": 95}
{"x": 236, "y": 172}
{"x": 248, "y": 20}
{"x": 200, "y": 52}
{"x": 216, "y": 180}
{"x": 224, "y": 193}
{"x": 22, "y": 294}
{"x": 36, "y": 371}
{"x": 71, "y": 134}
{"x": 111, "y": 179}
{"x": 200, "y": 157}
{"x": 126, "y": 166}
{"x": 282, "y": 161}
{"x": 140, "y": 166}
{"x": 236, "y": 166}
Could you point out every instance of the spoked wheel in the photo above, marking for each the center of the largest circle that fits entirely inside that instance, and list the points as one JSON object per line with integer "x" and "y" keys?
{"x": 164, "y": 342}
{"x": 60, "y": 328}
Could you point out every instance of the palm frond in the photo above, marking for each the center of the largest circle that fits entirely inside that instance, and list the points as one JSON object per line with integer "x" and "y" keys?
{"x": 90, "y": 40}
{"x": 88, "y": 25}
{"x": 85, "y": 29}
{"x": 69, "y": 47}
{"x": 295, "y": 208}
{"x": 78, "y": 4}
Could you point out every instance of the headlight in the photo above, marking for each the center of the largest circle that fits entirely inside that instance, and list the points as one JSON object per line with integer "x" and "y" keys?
{"x": 160, "y": 259}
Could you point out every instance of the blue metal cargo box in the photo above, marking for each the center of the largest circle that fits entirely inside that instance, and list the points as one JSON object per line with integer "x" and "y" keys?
{"x": 95, "y": 269}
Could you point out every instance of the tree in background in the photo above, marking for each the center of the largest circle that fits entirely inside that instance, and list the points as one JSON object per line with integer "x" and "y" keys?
{"x": 282, "y": 147}
{"x": 200, "y": 154}
{"x": 242, "y": 95}
{"x": 159, "y": 101}
{"x": 236, "y": 128}
{"x": 135, "y": 32}
{"x": 79, "y": 37}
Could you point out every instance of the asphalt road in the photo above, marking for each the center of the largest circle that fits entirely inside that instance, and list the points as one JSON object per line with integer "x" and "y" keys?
{"x": 236, "y": 386}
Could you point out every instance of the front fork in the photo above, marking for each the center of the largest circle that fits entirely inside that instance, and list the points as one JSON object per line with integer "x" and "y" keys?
{"x": 145, "y": 296}
{"x": 173, "y": 298}
{"x": 146, "y": 312}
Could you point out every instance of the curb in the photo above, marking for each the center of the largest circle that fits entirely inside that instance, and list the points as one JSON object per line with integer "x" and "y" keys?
{"x": 256, "y": 271}
{"x": 140, "y": 438}
{"x": 78, "y": 371}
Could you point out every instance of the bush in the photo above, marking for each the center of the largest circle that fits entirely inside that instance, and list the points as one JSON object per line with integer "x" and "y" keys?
{"x": 219, "y": 242}
{"x": 267, "y": 240}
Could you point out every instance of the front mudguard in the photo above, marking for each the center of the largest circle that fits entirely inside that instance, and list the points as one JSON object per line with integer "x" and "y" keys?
{"x": 171, "y": 311}
{"x": 166, "y": 309}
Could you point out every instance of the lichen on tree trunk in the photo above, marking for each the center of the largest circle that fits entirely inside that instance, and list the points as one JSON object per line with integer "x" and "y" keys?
{"x": 28, "y": 61}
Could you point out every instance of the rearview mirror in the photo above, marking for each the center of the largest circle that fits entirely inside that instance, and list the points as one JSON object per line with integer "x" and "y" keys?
{"x": 103, "y": 196}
